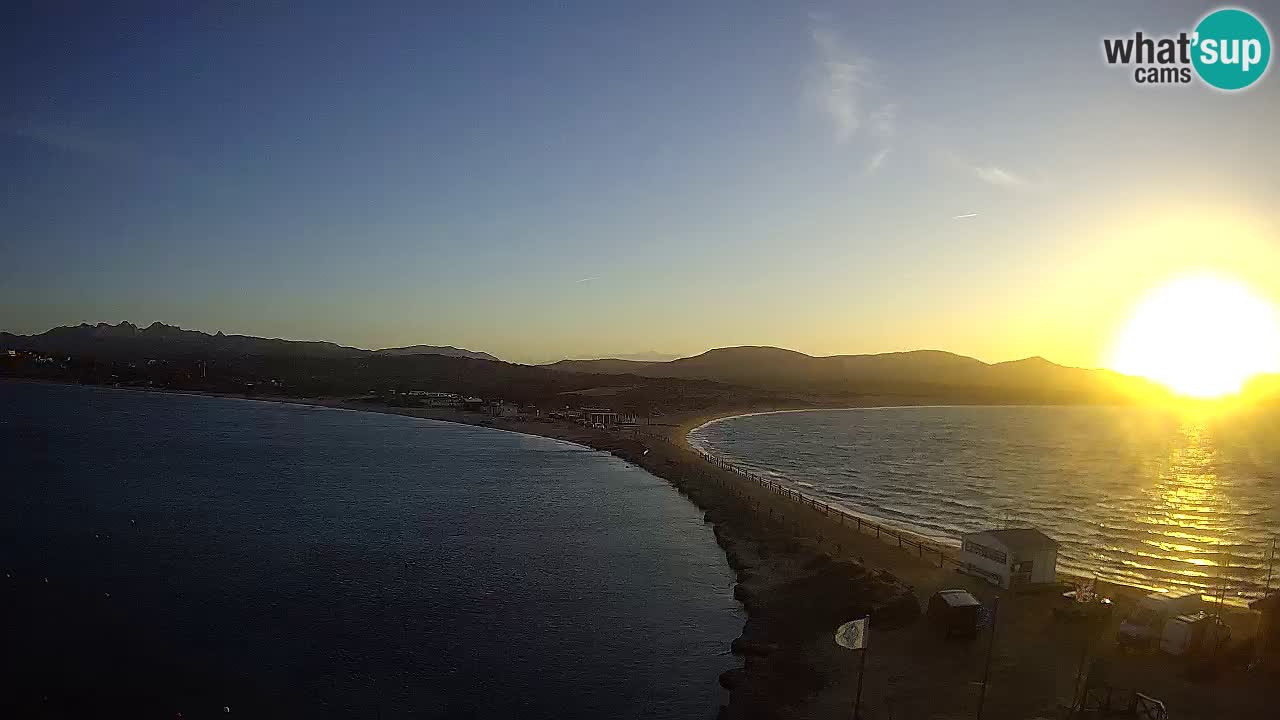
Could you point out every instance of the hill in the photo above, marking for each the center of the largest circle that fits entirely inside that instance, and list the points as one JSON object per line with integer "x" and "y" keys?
{"x": 163, "y": 356}
{"x": 921, "y": 376}
{"x": 160, "y": 340}
{"x": 608, "y": 366}
{"x": 446, "y": 350}
{"x": 916, "y": 374}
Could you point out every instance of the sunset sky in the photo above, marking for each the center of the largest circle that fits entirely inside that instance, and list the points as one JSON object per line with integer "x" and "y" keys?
{"x": 597, "y": 178}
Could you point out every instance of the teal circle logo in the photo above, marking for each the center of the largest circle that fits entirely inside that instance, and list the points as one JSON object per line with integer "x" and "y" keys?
{"x": 1230, "y": 49}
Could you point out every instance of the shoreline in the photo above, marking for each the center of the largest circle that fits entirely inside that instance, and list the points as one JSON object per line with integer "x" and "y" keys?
{"x": 776, "y": 567}
{"x": 800, "y": 573}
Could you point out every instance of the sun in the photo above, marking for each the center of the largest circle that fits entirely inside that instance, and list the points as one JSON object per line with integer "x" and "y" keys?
{"x": 1203, "y": 335}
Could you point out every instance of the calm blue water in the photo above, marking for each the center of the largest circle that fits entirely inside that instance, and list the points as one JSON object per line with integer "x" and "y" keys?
{"x": 287, "y": 561}
{"x": 1136, "y": 495}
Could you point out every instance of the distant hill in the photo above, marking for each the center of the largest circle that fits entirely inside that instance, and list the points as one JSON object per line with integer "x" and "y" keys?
{"x": 160, "y": 340}
{"x": 604, "y": 367}
{"x": 446, "y": 350}
{"x": 646, "y": 356}
{"x": 930, "y": 373}
{"x": 167, "y": 357}
{"x": 921, "y": 376}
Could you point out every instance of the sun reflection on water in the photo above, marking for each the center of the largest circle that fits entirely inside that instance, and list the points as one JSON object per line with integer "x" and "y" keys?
{"x": 1189, "y": 506}
{"x": 1162, "y": 499}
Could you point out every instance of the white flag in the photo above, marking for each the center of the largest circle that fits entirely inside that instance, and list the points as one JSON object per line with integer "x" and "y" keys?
{"x": 853, "y": 634}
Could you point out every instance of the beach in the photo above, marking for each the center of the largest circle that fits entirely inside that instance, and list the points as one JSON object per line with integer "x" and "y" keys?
{"x": 801, "y": 572}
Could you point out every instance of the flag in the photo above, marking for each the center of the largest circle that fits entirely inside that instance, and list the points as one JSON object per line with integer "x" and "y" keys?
{"x": 853, "y": 634}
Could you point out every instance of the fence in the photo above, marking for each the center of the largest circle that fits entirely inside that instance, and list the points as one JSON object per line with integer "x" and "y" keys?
{"x": 906, "y": 540}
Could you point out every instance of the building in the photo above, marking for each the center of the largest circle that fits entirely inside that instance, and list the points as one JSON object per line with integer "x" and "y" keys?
{"x": 500, "y": 408}
{"x": 600, "y": 416}
{"x": 436, "y": 399}
{"x": 1011, "y": 557}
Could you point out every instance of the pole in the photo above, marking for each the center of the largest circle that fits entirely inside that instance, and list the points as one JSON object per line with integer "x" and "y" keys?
{"x": 991, "y": 644}
{"x": 1271, "y": 566}
{"x": 862, "y": 670}
{"x": 1077, "y": 696}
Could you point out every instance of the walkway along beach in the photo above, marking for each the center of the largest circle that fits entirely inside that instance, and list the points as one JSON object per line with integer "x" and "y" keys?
{"x": 804, "y": 567}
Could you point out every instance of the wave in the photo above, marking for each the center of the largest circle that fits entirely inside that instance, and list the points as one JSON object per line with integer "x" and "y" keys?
{"x": 1152, "y": 503}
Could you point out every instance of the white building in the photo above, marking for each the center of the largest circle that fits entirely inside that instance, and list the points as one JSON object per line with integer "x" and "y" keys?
{"x": 603, "y": 417}
{"x": 1015, "y": 556}
{"x": 436, "y": 399}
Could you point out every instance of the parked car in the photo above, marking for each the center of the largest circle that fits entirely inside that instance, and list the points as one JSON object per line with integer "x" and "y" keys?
{"x": 955, "y": 613}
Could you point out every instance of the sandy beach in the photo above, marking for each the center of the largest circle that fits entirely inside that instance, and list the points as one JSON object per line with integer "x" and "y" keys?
{"x": 801, "y": 573}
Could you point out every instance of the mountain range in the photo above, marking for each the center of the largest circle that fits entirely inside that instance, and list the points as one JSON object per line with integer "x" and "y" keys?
{"x": 917, "y": 376}
{"x": 160, "y": 340}
{"x": 919, "y": 372}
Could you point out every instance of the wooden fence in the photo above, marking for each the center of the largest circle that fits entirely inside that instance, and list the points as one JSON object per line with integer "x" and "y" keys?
{"x": 911, "y": 542}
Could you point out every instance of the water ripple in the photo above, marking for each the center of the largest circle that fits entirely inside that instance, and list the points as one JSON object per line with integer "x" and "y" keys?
{"x": 1135, "y": 495}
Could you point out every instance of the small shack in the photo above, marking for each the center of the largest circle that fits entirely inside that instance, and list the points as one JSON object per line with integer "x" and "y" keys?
{"x": 1010, "y": 557}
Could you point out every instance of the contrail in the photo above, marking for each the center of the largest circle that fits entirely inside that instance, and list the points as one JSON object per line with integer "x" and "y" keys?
{"x": 966, "y": 216}
{"x": 586, "y": 280}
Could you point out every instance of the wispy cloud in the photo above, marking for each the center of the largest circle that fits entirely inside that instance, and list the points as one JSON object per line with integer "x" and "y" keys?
{"x": 841, "y": 82}
{"x": 965, "y": 216}
{"x": 884, "y": 122}
{"x": 883, "y": 125}
{"x": 998, "y": 176}
{"x": 847, "y": 88}
{"x": 875, "y": 161}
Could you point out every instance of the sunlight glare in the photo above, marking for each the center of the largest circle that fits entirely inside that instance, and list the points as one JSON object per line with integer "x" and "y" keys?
{"x": 1203, "y": 335}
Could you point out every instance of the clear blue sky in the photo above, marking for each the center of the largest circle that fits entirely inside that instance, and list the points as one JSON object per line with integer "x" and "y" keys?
{"x": 543, "y": 180}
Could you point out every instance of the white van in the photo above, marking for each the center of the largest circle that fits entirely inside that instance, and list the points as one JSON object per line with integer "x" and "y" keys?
{"x": 1144, "y": 625}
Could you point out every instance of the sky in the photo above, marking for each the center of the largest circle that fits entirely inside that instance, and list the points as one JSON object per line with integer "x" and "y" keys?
{"x": 547, "y": 180}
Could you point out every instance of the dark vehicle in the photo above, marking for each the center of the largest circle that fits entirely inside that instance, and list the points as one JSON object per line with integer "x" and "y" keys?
{"x": 954, "y": 613}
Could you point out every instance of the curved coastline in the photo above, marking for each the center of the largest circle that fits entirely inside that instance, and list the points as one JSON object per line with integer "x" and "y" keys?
{"x": 802, "y": 487}
{"x": 784, "y": 554}
{"x": 800, "y": 572}
{"x": 734, "y": 416}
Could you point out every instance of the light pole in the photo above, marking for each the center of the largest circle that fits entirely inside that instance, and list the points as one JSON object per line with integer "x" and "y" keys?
{"x": 991, "y": 644}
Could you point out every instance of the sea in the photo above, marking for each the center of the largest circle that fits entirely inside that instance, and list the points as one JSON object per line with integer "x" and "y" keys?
{"x": 184, "y": 556}
{"x": 1152, "y": 498}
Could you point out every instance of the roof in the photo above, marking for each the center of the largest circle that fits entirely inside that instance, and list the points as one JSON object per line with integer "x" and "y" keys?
{"x": 958, "y": 598}
{"x": 1021, "y": 539}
